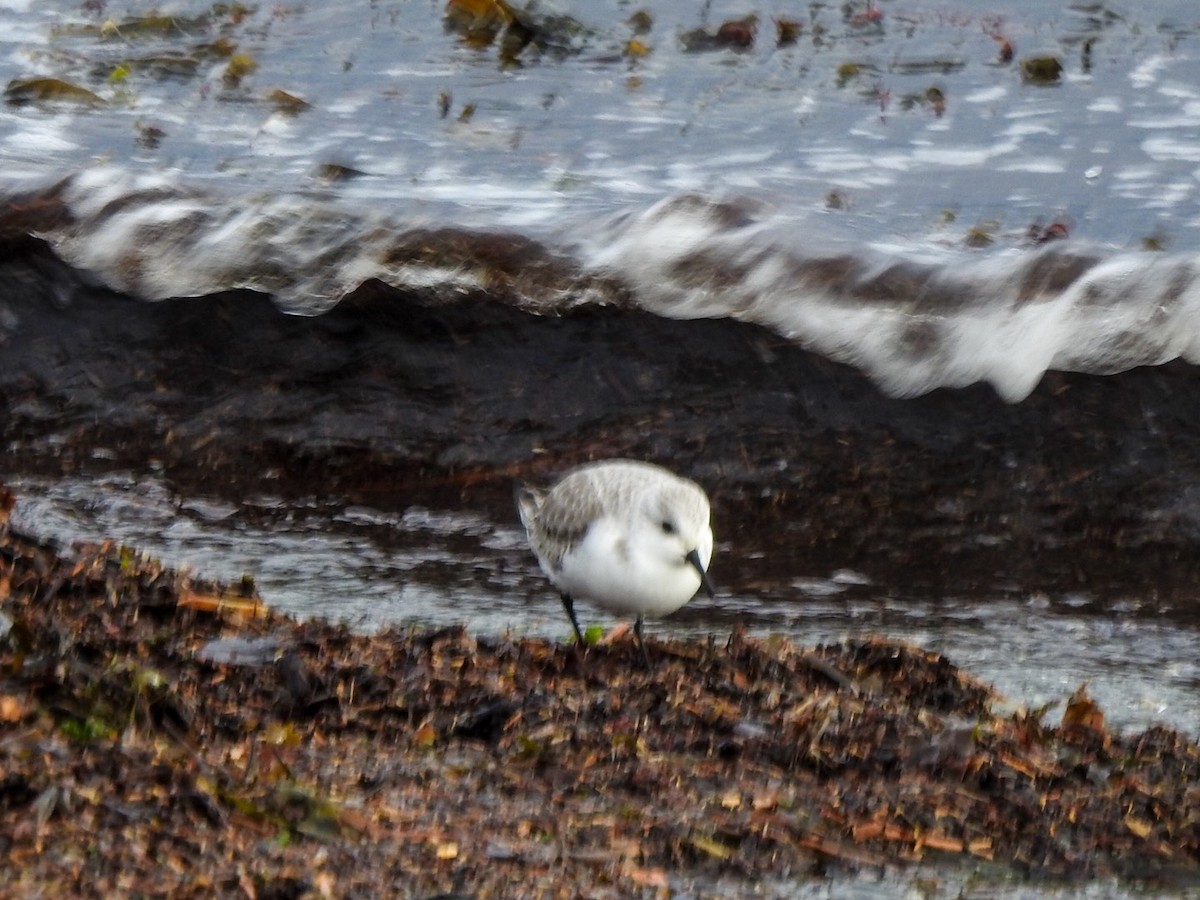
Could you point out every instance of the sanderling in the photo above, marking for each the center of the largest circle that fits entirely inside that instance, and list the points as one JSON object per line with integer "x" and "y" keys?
{"x": 630, "y": 537}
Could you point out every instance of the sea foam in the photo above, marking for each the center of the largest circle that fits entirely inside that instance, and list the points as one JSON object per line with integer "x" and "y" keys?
{"x": 914, "y": 323}
{"x": 915, "y": 318}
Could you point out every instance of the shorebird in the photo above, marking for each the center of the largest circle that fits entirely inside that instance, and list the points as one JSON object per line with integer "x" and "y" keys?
{"x": 629, "y": 537}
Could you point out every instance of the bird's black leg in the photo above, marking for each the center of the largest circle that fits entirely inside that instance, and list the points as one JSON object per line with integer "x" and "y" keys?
{"x": 569, "y": 606}
{"x": 637, "y": 631}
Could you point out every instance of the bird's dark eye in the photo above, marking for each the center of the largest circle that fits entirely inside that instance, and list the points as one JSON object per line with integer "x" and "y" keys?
{"x": 668, "y": 526}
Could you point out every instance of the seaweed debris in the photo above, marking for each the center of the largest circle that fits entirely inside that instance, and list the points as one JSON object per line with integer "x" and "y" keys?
{"x": 139, "y": 756}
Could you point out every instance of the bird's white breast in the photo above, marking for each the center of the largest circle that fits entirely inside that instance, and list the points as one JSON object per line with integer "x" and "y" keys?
{"x": 626, "y": 571}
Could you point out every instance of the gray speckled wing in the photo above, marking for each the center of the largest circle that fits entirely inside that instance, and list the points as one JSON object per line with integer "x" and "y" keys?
{"x": 558, "y": 519}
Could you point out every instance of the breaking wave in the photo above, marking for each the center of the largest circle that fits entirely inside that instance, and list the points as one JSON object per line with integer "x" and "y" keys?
{"x": 914, "y": 320}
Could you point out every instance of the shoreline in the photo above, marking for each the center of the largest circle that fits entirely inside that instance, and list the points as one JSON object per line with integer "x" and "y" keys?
{"x": 420, "y": 762}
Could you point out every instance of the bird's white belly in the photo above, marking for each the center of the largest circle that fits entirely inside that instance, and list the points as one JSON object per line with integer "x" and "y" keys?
{"x": 615, "y": 573}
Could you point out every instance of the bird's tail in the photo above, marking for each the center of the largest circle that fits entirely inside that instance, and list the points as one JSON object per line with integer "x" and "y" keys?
{"x": 529, "y": 502}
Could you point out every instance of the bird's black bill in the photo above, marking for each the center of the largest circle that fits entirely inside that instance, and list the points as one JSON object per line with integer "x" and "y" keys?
{"x": 694, "y": 559}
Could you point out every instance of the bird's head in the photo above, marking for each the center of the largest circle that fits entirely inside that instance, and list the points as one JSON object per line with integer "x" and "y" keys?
{"x": 676, "y": 527}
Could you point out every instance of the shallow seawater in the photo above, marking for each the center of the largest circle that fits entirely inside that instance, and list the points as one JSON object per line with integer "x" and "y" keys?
{"x": 929, "y": 883}
{"x": 441, "y": 129}
{"x": 898, "y": 177}
{"x": 437, "y": 567}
